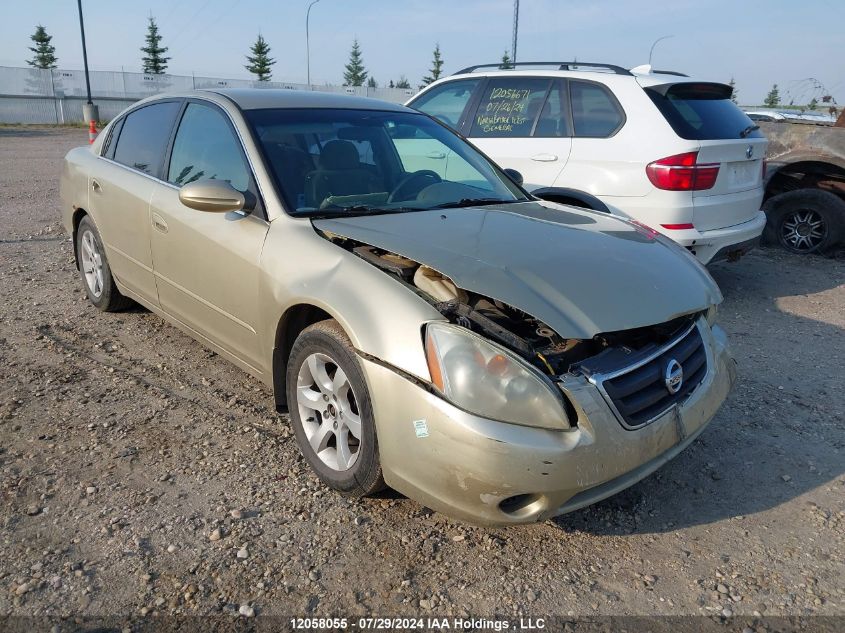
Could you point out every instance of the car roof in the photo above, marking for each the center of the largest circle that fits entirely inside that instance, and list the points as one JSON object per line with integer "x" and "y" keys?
{"x": 265, "y": 98}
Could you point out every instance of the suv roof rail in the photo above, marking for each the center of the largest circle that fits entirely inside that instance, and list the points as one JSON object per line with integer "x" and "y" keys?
{"x": 618, "y": 70}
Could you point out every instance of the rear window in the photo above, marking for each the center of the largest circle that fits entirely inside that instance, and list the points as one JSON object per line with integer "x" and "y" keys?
{"x": 144, "y": 136}
{"x": 595, "y": 111}
{"x": 701, "y": 112}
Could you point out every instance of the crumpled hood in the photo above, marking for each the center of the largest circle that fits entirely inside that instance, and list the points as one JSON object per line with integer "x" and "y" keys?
{"x": 580, "y": 272}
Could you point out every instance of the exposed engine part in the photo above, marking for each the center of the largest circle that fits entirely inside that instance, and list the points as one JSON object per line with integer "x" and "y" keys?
{"x": 396, "y": 264}
{"x": 438, "y": 286}
{"x": 493, "y": 329}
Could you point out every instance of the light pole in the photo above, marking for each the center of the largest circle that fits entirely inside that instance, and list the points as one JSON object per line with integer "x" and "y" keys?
{"x": 515, "y": 28}
{"x": 659, "y": 39}
{"x": 307, "y": 43}
{"x": 89, "y": 110}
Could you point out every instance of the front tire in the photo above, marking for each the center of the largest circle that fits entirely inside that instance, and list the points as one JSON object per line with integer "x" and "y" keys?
{"x": 95, "y": 271}
{"x": 805, "y": 221}
{"x": 331, "y": 411}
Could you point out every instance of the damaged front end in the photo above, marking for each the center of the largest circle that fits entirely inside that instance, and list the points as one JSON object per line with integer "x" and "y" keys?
{"x": 486, "y": 372}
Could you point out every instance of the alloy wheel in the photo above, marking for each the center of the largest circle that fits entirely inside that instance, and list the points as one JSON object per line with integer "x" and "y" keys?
{"x": 803, "y": 230}
{"x": 92, "y": 263}
{"x": 328, "y": 412}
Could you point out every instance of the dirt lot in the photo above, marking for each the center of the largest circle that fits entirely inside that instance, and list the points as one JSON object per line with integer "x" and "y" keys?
{"x": 127, "y": 449}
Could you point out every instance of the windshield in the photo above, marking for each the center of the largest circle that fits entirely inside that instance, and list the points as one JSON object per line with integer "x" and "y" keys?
{"x": 345, "y": 162}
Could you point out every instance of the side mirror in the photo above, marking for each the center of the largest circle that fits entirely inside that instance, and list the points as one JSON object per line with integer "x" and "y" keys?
{"x": 514, "y": 175}
{"x": 217, "y": 196}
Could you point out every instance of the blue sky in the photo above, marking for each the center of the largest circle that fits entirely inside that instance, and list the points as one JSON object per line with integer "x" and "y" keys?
{"x": 757, "y": 42}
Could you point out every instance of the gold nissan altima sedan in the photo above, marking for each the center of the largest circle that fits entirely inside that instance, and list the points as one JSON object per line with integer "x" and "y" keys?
{"x": 427, "y": 324}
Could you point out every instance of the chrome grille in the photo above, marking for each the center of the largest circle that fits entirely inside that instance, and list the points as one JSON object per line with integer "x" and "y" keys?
{"x": 641, "y": 394}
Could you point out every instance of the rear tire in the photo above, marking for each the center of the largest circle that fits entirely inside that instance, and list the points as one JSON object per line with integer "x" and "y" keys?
{"x": 331, "y": 411}
{"x": 94, "y": 269}
{"x": 805, "y": 221}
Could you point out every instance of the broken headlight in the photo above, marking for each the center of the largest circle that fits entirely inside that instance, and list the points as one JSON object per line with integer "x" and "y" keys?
{"x": 486, "y": 379}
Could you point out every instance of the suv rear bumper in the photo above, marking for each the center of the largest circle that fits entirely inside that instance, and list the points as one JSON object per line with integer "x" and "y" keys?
{"x": 719, "y": 244}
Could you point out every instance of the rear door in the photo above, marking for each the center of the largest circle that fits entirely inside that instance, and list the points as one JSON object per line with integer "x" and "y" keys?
{"x": 704, "y": 112}
{"x": 523, "y": 123}
{"x": 121, "y": 191}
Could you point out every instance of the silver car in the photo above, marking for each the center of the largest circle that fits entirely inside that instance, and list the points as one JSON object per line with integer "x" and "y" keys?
{"x": 495, "y": 357}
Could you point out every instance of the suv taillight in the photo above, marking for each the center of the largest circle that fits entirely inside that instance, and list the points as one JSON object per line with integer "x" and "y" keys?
{"x": 682, "y": 173}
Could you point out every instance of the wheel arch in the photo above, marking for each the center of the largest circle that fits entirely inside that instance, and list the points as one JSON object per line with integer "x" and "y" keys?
{"x": 76, "y": 218}
{"x": 292, "y": 322}
{"x": 574, "y": 197}
{"x": 808, "y": 173}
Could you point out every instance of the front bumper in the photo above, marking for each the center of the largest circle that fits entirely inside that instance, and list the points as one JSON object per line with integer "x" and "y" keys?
{"x": 496, "y": 473}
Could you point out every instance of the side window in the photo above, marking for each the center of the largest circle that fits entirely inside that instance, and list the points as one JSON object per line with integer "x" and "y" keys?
{"x": 205, "y": 147}
{"x": 111, "y": 141}
{"x": 595, "y": 112}
{"x": 144, "y": 135}
{"x": 554, "y": 118}
{"x": 509, "y": 107}
{"x": 448, "y": 101}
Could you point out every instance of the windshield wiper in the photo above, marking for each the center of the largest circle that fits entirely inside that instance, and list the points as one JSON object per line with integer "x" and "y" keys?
{"x": 748, "y": 130}
{"x": 472, "y": 202}
{"x": 350, "y": 211}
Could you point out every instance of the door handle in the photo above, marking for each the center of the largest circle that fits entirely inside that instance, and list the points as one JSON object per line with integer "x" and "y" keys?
{"x": 158, "y": 223}
{"x": 436, "y": 155}
{"x": 544, "y": 158}
{"x": 95, "y": 186}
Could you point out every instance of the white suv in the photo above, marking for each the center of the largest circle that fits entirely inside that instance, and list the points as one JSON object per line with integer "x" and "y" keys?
{"x": 669, "y": 151}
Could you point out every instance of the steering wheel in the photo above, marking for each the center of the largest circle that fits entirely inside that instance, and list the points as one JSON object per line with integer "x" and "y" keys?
{"x": 405, "y": 189}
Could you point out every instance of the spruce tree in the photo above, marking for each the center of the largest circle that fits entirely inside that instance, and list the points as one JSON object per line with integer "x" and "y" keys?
{"x": 436, "y": 67}
{"x": 391, "y": 84}
{"x": 403, "y": 82}
{"x": 734, "y": 91}
{"x": 260, "y": 60}
{"x": 45, "y": 53}
{"x": 506, "y": 61}
{"x": 355, "y": 73}
{"x": 773, "y": 98}
{"x": 154, "y": 61}
{"x": 372, "y": 83}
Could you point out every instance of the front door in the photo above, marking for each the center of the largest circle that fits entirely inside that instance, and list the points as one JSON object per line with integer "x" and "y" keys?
{"x": 207, "y": 264}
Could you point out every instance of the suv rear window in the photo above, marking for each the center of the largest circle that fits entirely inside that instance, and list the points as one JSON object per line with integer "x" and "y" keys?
{"x": 595, "y": 111}
{"x": 701, "y": 112}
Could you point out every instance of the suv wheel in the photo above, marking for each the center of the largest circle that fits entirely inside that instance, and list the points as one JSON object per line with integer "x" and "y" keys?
{"x": 805, "y": 221}
{"x": 331, "y": 412}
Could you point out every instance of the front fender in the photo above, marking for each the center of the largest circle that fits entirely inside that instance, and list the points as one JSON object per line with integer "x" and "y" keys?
{"x": 381, "y": 316}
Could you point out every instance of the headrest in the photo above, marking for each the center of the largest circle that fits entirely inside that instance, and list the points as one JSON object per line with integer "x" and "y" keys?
{"x": 339, "y": 155}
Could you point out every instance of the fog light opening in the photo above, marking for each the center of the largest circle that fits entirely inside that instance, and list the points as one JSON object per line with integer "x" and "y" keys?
{"x": 522, "y": 505}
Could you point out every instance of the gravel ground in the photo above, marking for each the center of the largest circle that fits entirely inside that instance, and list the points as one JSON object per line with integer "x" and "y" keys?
{"x": 142, "y": 474}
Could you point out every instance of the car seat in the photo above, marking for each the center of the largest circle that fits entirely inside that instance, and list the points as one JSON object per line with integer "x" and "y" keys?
{"x": 340, "y": 173}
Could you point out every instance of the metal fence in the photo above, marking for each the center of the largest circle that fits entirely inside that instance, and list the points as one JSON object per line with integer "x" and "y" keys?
{"x": 32, "y": 95}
